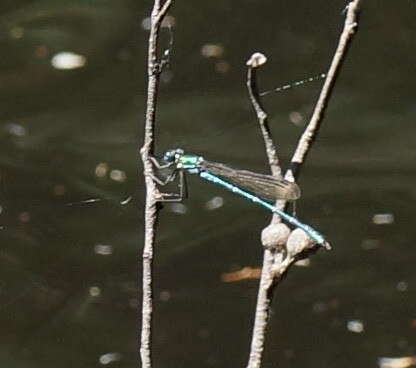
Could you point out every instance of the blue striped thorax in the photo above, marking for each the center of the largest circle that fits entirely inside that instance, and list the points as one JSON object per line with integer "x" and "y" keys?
{"x": 190, "y": 163}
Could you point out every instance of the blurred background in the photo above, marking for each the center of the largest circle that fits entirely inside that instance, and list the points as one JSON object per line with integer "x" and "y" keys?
{"x": 72, "y": 89}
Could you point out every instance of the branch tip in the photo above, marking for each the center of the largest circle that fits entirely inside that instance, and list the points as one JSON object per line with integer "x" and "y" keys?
{"x": 256, "y": 60}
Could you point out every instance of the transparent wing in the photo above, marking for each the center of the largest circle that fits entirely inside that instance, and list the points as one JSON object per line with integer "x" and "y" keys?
{"x": 265, "y": 186}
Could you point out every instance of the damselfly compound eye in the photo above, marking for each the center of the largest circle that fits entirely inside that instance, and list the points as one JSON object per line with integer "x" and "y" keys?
{"x": 169, "y": 156}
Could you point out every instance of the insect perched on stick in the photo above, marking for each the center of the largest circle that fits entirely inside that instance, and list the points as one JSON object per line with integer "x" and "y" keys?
{"x": 258, "y": 188}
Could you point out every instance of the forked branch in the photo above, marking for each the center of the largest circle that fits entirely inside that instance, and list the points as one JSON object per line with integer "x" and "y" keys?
{"x": 276, "y": 261}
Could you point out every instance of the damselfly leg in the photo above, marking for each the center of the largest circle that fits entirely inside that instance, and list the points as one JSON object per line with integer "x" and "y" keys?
{"x": 171, "y": 177}
{"x": 160, "y": 166}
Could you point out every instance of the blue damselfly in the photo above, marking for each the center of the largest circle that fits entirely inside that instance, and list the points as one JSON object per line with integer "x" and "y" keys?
{"x": 258, "y": 188}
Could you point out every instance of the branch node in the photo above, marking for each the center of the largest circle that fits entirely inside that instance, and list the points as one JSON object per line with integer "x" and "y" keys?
{"x": 261, "y": 115}
{"x": 298, "y": 242}
{"x": 275, "y": 235}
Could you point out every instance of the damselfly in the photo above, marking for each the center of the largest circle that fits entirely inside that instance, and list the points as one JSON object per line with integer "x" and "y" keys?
{"x": 258, "y": 188}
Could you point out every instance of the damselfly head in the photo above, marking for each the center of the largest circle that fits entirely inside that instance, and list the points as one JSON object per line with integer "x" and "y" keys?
{"x": 173, "y": 155}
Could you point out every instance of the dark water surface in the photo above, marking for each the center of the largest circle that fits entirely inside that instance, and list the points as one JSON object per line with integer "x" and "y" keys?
{"x": 70, "y": 243}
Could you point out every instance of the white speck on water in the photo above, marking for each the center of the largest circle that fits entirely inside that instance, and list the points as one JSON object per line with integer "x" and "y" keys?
{"x": 178, "y": 208}
{"x": 383, "y": 218}
{"x": 222, "y": 66}
{"x": 146, "y": 24}
{"x": 168, "y": 21}
{"x": 15, "y": 129}
{"x": 118, "y": 175}
{"x": 95, "y": 291}
{"x": 370, "y": 244}
{"x": 214, "y": 203}
{"x": 103, "y": 249}
{"x": 17, "y": 32}
{"x": 296, "y": 118}
{"x": 126, "y": 201}
{"x": 212, "y": 50}
{"x": 402, "y": 286}
{"x": 109, "y": 358}
{"x": 164, "y": 295}
{"x": 101, "y": 169}
{"x": 68, "y": 60}
{"x": 355, "y": 326}
{"x": 398, "y": 362}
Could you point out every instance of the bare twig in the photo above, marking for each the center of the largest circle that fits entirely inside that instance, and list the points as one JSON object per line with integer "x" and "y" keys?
{"x": 255, "y": 61}
{"x": 309, "y": 135}
{"x": 275, "y": 261}
{"x": 264, "y": 299}
{"x": 152, "y": 193}
{"x": 267, "y": 279}
{"x": 271, "y": 253}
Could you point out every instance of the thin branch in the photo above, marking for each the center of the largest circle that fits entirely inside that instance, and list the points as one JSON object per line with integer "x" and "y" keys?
{"x": 152, "y": 193}
{"x": 255, "y": 61}
{"x": 267, "y": 279}
{"x": 276, "y": 229}
{"x": 163, "y": 11}
{"x": 264, "y": 296}
{"x": 264, "y": 299}
{"x": 275, "y": 262}
{"x": 311, "y": 131}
